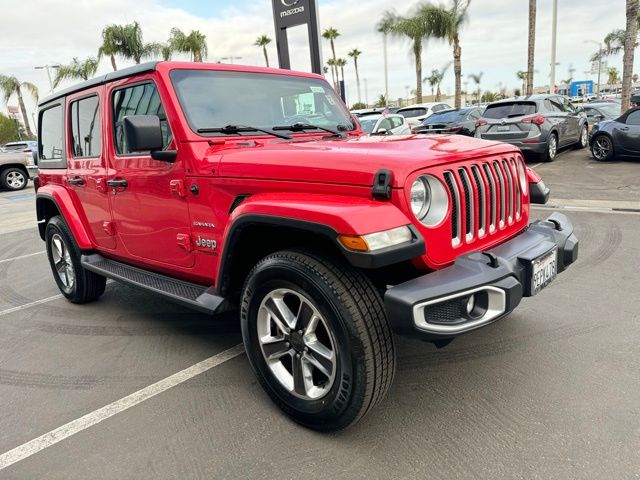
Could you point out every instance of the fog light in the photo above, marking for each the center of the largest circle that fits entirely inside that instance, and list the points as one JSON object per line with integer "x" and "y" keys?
{"x": 471, "y": 303}
{"x": 476, "y": 304}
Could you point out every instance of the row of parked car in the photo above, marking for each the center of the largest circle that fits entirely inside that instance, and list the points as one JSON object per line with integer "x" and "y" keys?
{"x": 539, "y": 125}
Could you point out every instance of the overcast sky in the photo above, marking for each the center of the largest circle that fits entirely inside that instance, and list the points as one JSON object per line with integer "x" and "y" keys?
{"x": 36, "y": 32}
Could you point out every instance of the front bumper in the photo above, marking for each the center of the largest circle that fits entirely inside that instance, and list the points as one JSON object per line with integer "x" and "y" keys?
{"x": 431, "y": 307}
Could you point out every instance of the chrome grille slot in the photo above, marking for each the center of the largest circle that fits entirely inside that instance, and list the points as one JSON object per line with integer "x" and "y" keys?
{"x": 510, "y": 192}
{"x": 501, "y": 193}
{"x": 455, "y": 207}
{"x": 492, "y": 197}
{"x": 482, "y": 201}
{"x": 469, "y": 209}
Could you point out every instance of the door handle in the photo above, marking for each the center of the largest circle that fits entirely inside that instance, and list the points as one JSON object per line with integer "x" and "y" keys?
{"x": 76, "y": 181}
{"x": 624, "y": 129}
{"x": 117, "y": 182}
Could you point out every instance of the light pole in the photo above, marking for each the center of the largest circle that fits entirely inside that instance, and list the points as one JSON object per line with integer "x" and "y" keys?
{"x": 554, "y": 31}
{"x": 231, "y": 59}
{"x": 599, "y": 63}
{"x": 47, "y": 67}
{"x": 366, "y": 93}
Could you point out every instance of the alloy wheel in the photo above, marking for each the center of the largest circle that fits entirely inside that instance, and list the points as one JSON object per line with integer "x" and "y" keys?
{"x": 15, "y": 180}
{"x": 584, "y": 137}
{"x": 297, "y": 344}
{"x": 553, "y": 147}
{"x": 601, "y": 148}
{"x": 62, "y": 262}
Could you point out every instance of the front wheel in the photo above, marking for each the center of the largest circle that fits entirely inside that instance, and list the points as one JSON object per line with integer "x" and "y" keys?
{"x": 14, "y": 179}
{"x": 602, "y": 148}
{"x": 317, "y": 338}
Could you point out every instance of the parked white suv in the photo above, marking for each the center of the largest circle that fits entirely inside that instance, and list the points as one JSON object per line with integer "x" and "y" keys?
{"x": 415, "y": 114}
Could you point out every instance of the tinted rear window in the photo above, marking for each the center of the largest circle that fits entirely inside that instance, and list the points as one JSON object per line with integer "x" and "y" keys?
{"x": 445, "y": 117}
{"x": 413, "y": 112}
{"x": 510, "y": 109}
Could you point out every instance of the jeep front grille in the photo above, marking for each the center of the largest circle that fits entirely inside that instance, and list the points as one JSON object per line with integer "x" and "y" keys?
{"x": 485, "y": 197}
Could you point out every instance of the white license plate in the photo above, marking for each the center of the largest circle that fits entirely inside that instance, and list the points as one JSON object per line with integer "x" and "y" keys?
{"x": 545, "y": 269}
{"x": 504, "y": 128}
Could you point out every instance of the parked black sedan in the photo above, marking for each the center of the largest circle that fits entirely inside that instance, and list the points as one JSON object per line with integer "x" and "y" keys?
{"x": 617, "y": 138}
{"x": 461, "y": 121}
{"x": 597, "y": 112}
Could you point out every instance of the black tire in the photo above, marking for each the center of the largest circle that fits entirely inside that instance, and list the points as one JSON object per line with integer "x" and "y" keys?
{"x": 552, "y": 149}
{"x": 583, "y": 139}
{"x": 602, "y": 148}
{"x": 14, "y": 178}
{"x": 86, "y": 285}
{"x": 353, "y": 312}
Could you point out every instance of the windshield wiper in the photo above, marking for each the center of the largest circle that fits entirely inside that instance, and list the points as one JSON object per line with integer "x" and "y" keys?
{"x": 238, "y": 129}
{"x": 300, "y": 127}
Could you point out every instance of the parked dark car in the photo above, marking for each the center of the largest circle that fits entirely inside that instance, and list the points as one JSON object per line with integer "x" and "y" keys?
{"x": 26, "y": 146}
{"x": 596, "y": 112}
{"x": 537, "y": 124}
{"x": 617, "y": 138}
{"x": 635, "y": 100}
{"x": 461, "y": 121}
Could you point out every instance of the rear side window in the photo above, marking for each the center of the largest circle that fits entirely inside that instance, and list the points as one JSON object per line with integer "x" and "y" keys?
{"x": 510, "y": 109}
{"x": 85, "y": 128}
{"x": 140, "y": 99}
{"x": 396, "y": 122}
{"x": 413, "y": 112}
{"x": 634, "y": 118}
{"x": 51, "y": 138}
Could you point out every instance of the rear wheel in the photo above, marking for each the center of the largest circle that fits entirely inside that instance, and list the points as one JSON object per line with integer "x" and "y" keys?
{"x": 602, "y": 148}
{"x": 76, "y": 284}
{"x": 14, "y": 178}
{"x": 317, "y": 338}
{"x": 583, "y": 140}
{"x": 552, "y": 149}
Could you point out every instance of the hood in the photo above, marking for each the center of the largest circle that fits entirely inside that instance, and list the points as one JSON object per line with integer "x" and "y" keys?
{"x": 352, "y": 161}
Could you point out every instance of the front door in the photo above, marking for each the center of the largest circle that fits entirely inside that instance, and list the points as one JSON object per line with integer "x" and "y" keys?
{"x": 87, "y": 170}
{"x": 148, "y": 202}
{"x": 627, "y": 135}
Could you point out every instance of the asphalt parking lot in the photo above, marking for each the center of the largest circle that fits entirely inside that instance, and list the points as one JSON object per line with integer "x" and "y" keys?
{"x": 550, "y": 392}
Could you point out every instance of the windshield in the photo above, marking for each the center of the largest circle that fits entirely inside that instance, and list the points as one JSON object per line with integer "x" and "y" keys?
{"x": 413, "y": 112}
{"x": 612, "y": 110}
{"x": 212, "y": 99}
{"x": 445, "y": 117}
{"x": 368, "y": 123}
{"x": 511, "y": 109}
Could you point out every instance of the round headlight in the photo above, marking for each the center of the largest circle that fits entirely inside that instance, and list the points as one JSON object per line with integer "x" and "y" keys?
{"x": 429, "y": 200}
{"x": 419, "y": 198}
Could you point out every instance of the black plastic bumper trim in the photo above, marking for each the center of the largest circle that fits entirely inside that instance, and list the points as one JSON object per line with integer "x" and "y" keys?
{"x": 539, "y": 192}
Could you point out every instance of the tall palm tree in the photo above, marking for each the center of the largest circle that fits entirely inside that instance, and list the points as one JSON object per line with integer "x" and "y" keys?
{"x": 457, "y": 18}
{"x": 166, "y": 51}
{"x": 426, "y": 22}
{"x": 355, "y": 53}
{"x": 477, "y": 78}
{"x": 77, "y": 69}
{"x": 333, "y": 65}
{"x": 432, "y": 80}
{"x": 195, "y": 44}
{"x": 341, "y": 63}
{"x": 630, "y": 42}
{"x": 532, "y": 45}
{"x": 384, "y": 27}
{"x": 435, "y": 79}
{"x": 331, "y": 34}
{"x": 522, "y": 76}
{"x": 263, "y": 41}
{"x": 112, "y": 40}
{"x": 9, "y": 86}
{"x": 133, "y": 46}
{"x": 612, "y": 76}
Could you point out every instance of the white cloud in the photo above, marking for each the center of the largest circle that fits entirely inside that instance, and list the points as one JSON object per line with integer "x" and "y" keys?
{"x": 494, "y": 41}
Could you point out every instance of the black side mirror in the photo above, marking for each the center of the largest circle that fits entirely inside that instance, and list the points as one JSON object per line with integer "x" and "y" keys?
{"x": 144, "y": 134}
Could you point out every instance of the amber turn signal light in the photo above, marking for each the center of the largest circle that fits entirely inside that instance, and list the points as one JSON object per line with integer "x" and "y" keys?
{"x": 353, "y": 242}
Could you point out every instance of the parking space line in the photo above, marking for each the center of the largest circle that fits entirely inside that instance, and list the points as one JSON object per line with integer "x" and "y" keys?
{"x": 576, "y": 208}
{"x": 21, "y": 257}
{"x": 31, "y": 304}
{"x": 75, "y": 426}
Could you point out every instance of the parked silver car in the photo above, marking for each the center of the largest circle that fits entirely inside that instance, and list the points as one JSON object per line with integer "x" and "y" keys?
{"x": 384, "y": 124}
{"x": 537, "y": 124}
{"x": 15, "y": 169}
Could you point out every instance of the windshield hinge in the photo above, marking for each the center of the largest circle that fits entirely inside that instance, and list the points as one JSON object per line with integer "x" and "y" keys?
{"x": 382, "y": 184}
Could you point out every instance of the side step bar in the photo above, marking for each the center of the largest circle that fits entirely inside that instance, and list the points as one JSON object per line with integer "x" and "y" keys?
{"x": 190, "y": 294}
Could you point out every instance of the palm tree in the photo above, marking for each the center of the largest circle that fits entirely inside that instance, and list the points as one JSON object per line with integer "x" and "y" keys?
{"x": 341, "y": 63}
{"x": 613, "y": 76}
{"x": 166, "y": 51}
{"x": 263, "y": 41}
{"x": 331, "y": 34}
{"x": 195, "y": 44}
{"x": 426, "y": 22}
{"x": 433, "y": 81}
{"x": 112, "y": 40}
{"x": 133, "y": 46}
{"x": 332, "y": 64}
{"x": 384, "y": 27}
{"x": 355, "y": 53}
{"x": 457, "y": 17}
{"x": 532, "y": 45}
{"x": 9, "y": 86}
{"x": 381, "y": 102}
{"x": 522, "y": 76}
{"x": 477, "y": 78}
{"x": 77, "y": 69}
{"x": 630, "y": 42}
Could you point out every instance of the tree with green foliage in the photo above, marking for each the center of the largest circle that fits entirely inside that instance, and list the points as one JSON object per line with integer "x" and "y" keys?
{"x": 358, "y": 106}
{"x": 381, "y": 102}
{"x": 522, "y": 76}
{"x": 9, "y": 86}
{"x": 195, "y": 44}
{"x": 477, "y": 78}
{"x": 263, "y": 41}
{"x": 458, "y": 16}
{"x": 341, "y": 63}
{"x": 82, "y": 70}
{"x": 355, "y": 53}
{"x": 331, "y": 34}
{"x": 133, "y": 46}
{"x": 8, "y": 129}
{"x": 112, "y": 41}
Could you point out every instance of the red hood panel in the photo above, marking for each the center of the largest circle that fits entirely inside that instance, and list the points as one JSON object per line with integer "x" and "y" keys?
{"x": 351, "y": 161}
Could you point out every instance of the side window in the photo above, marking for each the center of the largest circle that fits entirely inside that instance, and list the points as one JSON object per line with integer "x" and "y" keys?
{"x": 51, "y": 145}
{"x": 142, "y": 99}
{"x": 568, "y": 106}
{"x": 396, "y": 122}
{"x": 634, "y": 118}
{"x": 556, "y": 106}
{"x": 474, "y": 115}
{"x": 86, "y": 138}
{"x": 385, "y": 123}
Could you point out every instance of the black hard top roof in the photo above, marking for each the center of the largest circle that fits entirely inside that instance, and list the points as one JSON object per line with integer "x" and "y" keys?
{"x": 101, "y": 80}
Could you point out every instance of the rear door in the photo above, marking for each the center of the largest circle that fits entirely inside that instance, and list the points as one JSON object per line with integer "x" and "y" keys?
{"x": 573, "y": 119}
{"x": 627, "y": 135}
{"x": 558, "y": 118}
{"x": 88, "y": 169}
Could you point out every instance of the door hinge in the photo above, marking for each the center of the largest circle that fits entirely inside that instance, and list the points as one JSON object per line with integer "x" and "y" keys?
{"x": 184, "y": 241}
{"x": 177, "y": 187}
{"x": 108, "y": 227}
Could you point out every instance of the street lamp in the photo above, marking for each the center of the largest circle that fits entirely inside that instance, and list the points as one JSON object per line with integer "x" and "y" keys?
{"x": 599, "y": 62}
{"x": 231, "y": 59}
{"x": 47, "y": 67}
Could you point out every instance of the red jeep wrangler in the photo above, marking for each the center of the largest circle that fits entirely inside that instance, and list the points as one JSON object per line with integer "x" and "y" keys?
{"x": 223, "y": 186}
